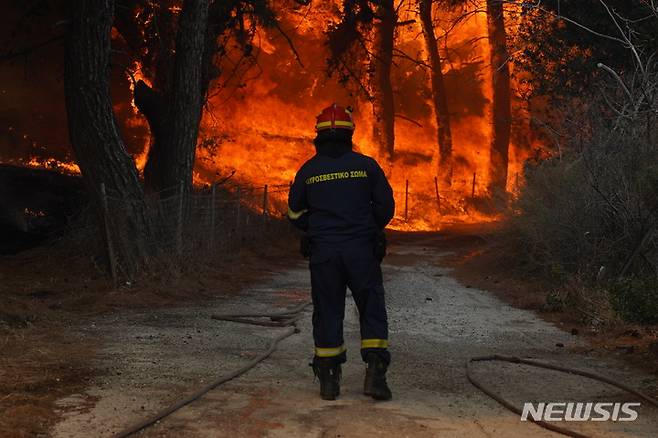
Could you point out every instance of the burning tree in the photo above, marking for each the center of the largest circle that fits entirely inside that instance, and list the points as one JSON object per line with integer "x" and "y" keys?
{"x": 98, "y": 147}
{"x": 177, "y": 49}
{"x": 383, "y": 106}
{"x": 502, "y": 105}
{"x": 361, "y": 46}
{"x": 367, "y": 30}
{"x": 182, "y": 65}
{"x": 182, "y": 75}
{"x": 180, "y": 70}
{"x": 440, "y": 99}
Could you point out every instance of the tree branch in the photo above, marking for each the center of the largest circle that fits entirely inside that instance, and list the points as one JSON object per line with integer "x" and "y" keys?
{"x": 627, "y": 41}
{"x": 408, "y": 120}
{"x": 402, "y": 54}
{"x": 290, "y": 44}
{"x": 356, "y": 78}
{"x": 405, "y": 23}
{"x": 616, "y": 76}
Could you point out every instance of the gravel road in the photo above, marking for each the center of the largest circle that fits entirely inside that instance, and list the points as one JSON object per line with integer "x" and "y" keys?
{"x": 149, "y": 358}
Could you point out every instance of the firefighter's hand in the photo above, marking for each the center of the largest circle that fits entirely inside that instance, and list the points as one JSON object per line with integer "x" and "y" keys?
{"x": 380, "y": 246}
{"x": 305, "y": 246}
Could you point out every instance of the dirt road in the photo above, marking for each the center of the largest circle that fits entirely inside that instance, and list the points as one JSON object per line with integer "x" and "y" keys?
{"x": 151, "y": 358}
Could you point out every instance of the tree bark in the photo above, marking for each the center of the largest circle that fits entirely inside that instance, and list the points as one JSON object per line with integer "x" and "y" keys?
{"x": 171, "y": 157}
{"x": 442, "y": 115}
{"x": 382, "y": 89}
{"x": 502, "y": 107}
{"x": 98, "y": 147}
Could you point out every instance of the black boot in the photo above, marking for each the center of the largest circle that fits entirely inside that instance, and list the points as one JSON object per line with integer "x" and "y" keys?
{"x": 375, "y": 384}
{"x": 328, "y": 372}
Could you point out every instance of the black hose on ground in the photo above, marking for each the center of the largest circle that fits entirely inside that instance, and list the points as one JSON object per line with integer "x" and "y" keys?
{"x": 289, "y": 317}
{"x": 286, "y": 318}
{"x": 273, "y": 315}
{"x": 283, "y": 318}
{"x": 535, "y": 363}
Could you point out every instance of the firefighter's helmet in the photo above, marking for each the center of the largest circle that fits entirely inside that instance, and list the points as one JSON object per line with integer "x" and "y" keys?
{"x": 335, "y": 117}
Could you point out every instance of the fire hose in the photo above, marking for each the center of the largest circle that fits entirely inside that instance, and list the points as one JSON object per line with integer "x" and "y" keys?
{"x": 289, "y": 317}
{"x": 286, "y": 318}
{"x": 539, "y": 364}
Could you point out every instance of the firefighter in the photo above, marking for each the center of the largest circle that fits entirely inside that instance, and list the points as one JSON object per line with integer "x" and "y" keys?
{"x": 342, "y": 200}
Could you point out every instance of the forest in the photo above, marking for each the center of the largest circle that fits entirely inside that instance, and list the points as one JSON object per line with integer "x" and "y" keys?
{"x": 541, "y": 114}
{"x": 154, "y": 142}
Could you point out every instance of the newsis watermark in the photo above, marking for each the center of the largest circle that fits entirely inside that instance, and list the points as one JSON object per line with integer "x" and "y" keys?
{"x": 580, "y": 411}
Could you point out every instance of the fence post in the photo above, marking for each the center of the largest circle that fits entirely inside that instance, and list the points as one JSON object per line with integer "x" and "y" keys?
{"x": 108, "y": 236}
{"x": 438, "y": 198}
{"x": 286, "y": 217}
{"x": 265, "y": 212}
{"x": 238, "y": 219}
{"x": 179, "y": 225}
{"x": 406, "y": 200}
{"x": 473, "y": 188}
{"x": 212, "y": 216}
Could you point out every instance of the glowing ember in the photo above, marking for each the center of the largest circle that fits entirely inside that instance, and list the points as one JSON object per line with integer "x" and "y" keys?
{"x": 68, "y": 168}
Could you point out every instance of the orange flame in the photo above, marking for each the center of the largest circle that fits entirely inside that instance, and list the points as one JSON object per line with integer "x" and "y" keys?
{"x": 264, "y": 130}
{"x": 259, "y": 123}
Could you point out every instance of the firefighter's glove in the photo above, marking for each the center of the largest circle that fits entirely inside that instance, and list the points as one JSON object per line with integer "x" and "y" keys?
{"x": 305, "y": 246}
{"x": 380, "y": 246}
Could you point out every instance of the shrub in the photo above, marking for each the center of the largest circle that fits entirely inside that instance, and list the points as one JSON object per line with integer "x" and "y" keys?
{"x": 588, "y": 209}
{"x": 590, "y": 212}
{"x": 636, "y": 300}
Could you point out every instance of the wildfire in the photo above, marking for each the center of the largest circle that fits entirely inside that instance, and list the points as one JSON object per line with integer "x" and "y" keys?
{"x": 264, "y": 131}
{"x": 69, "y": 168}
{"x": 136, "y": 74}
{"x": 259, "y": 124}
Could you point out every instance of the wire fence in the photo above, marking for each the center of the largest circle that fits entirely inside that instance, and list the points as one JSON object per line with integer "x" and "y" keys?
{"x": 433, "y": 202}
{"x": 216, "y": 220}
{"x": 222, "y": 218}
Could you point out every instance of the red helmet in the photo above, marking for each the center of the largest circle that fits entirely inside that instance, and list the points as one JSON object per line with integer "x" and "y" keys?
{"x": 335, "y": 117}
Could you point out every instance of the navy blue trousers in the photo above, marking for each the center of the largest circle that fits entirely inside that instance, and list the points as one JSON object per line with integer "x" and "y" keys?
{"x": 333, "y": 269}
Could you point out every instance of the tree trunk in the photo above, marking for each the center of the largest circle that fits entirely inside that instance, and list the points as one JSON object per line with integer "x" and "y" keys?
{"x": 98, "y": 147}
{"x": 444, "y": 135}
{"x": 382, "y": 89}
{"x": 502, "y": 106}
{"x": 175, "y": 117}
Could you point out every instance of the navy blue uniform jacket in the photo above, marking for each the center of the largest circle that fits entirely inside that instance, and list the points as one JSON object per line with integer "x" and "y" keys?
{"x": 341, "y": 199}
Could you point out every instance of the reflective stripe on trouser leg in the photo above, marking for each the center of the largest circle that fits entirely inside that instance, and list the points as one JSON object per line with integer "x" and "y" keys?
{"x": 374, "y": 343}
{"x": 328, "y": 292}
{"x": 366, "y": 282}
{"x": 329, "y": 352}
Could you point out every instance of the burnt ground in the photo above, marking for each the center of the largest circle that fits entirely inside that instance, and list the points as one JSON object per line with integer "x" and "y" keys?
{"x": 37, "y": 204}
{"x": 82, "y": 360}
